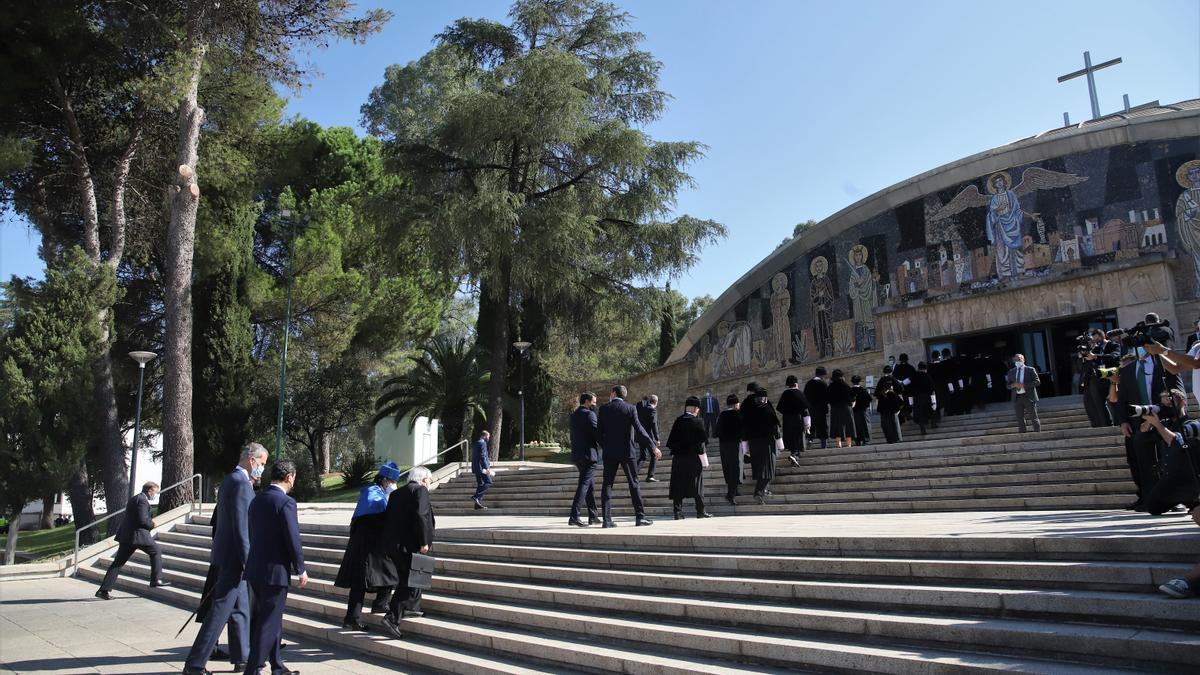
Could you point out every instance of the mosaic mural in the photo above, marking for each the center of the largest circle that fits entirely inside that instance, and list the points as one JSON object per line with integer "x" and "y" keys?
{"x": 1042, "y": 220}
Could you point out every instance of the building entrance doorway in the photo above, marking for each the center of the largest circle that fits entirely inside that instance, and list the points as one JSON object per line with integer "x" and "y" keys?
{"x": 1048, "y": 346}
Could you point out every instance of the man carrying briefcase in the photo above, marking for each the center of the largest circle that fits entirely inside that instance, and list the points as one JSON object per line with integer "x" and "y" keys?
{"x": 408, "y": 536}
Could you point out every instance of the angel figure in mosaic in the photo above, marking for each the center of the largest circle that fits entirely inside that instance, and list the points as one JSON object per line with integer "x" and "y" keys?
{"x": 1005, "y": 216}
{"x": 1187, "y": 212}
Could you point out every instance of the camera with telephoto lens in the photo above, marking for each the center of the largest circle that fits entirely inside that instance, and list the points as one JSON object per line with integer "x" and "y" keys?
{"x": 1139, "y": 410}
{"x": 1143, "y": 333}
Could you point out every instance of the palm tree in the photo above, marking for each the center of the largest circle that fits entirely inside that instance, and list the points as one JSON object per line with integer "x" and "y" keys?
{"x": 447, "y": 382}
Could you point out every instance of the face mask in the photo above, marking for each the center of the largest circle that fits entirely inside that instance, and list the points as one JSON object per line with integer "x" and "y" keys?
{"x": 389, "y": 489}
{"x": 257, "y": 472}
{"x": 1141, "y": 352}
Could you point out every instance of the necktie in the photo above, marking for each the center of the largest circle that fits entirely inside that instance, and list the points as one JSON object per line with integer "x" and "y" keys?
{"x": 1142, "y": 384}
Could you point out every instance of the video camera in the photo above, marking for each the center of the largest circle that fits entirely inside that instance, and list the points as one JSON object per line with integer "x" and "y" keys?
{"x": 1142, "y": 333}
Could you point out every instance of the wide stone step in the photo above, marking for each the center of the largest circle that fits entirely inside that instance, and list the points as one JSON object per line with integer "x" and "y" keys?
{"x": 711, "y": 627}
{"x": 565, "y": 651}
{"x": 806, "y": 579}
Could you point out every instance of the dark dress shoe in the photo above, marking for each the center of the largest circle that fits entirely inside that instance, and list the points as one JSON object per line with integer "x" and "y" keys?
{"x": 1134, "y": 506}
{"x": 479, "y": 506}
{"x": 609, "y": 523}
{"x": 195, "y": 671}
{"x": 160, "y": 584}
{"x": 592, "y": 520}
{"x": 103, "y": 595}
{"x": 392, "y": 626}
{"x": 642, "y": 522}
{"x": 679, "y": 515}
{"x": 576, "y": 522}
{"x": 239, "y": 666}
{"x": 704, "y": 514}
{"x": 353, "y": 624}
{"x": 729, "y": 500}
{"x": 412, "y": 614}
{"x": 793, "y": 460}
{"x": 758, "y": 497}
{"x": 651, "y": 479}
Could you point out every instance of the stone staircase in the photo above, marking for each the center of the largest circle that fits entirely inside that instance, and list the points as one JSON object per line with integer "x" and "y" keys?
{"x": 970, "y": 462}
{"x": 807, "y": 583}
{"x": 530, "y": 599}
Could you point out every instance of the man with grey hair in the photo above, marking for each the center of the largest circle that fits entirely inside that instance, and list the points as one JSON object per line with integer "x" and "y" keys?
{"x": 229, "y": 600}
{"x": 409, "y": 530}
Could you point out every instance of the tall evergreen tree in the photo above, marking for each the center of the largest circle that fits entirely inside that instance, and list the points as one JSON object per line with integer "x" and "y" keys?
{"x": 525, "y": 144}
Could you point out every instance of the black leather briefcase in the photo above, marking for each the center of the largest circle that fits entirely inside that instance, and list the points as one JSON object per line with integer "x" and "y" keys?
{"x": 420, "y": 571}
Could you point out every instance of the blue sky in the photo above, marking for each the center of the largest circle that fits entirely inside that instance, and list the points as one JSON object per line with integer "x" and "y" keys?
{"x": 807, "y": 107}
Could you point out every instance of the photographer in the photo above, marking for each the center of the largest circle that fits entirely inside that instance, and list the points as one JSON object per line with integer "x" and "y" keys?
{"x": 1188, "y": 584}
{"x": 1176, "y": 482}
{"x": 1140, "y": 383}
{"x": 1096, "y": 351}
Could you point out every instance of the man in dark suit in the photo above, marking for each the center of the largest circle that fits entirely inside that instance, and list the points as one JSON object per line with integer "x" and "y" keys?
{"x": 585, "y": 453}
{"x": 409, "y": 530}
{"x": 134, "y": 534}
{"x": 1194, "y": 336}
{"x": 647, "y": 412}
{"x": 275, "y": 553}
{"x": 481, "y": 466}
{"x": 229, "y": 602}
{"x": 710, "y": 409}
{"x": 1142, "y": 382}
{"x": 618, "y": 429}
{"x": 1023, "y": 382}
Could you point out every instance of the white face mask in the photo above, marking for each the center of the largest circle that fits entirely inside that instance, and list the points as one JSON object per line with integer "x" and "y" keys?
{"x": 389, "y": 488}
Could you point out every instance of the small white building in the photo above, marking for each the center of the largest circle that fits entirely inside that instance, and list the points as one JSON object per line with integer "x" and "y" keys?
{"x": 149, "y": 468}
{"x": 396, "y": 443}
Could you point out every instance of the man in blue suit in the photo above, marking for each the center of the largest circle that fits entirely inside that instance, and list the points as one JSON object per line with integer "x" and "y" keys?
{"x": 134, "y": 534}
{"x": 620, "y": 434}
{"x": 585, "y": 453}
{"x": 275, "y": 553}
{"x": 481, "y": 466}
{"x": 230, "y": 547}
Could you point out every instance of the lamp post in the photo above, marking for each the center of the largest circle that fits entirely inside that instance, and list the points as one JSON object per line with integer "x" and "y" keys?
{"x": 287, "y": 329}
{"x": 522, "y": 348}
{"x": 142, "y": 359}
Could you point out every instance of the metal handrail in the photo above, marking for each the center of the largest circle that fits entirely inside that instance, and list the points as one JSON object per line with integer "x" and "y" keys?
{"x": 194, "y": 508}
{"x": 409, "y": 470}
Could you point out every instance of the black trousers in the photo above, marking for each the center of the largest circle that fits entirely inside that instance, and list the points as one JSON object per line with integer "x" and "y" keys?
{"x": 647, "y": 452}
{"x": 124, "y": 552}
{"x": 584, "y": 490}
{"x": 630, "y": 468}
{"x": 890, "y": 422}
{"x": 358, "y": 594}
{"x": 404, "y": 597}
{"x": 1095, "y": 402}
{"x": 1141, "y": 453}
{"x": 266, "y": 627}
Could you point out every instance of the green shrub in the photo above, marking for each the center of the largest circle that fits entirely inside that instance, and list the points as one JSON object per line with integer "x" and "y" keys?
{"x": 359, "y": 469}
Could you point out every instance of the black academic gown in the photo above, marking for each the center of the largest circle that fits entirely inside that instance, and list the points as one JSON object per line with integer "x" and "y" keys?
{"x": 760, "y": 428}
{"x": 687, "y": 442}
{"x": 729, "y": 435}
{"x": 793, "y": 408}
{"x": 817, "y": 393}
{"x": 366, "y": 563}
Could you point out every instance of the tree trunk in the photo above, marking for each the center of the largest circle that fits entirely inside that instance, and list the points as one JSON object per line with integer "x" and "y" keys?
{"x": 80, "y": 493}
{"x": 113, "y": 466}
{"x": 184, "y": 193}
{"x": 314, "y": 455}
{"x": 453, "y": 420}
{"x": 47, "y": 520}
{"x": 497, "y": 300}
{"x": 10, "y": 545}
{"x": 326, "y": 453}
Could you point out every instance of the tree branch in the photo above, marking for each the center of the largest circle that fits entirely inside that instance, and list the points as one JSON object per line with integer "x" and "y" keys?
{"x": 87, "y": 187}
{"x": 120, "y": 181}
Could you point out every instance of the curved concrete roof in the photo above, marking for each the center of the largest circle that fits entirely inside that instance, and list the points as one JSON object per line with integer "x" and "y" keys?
{"x": 1137, "y": 126}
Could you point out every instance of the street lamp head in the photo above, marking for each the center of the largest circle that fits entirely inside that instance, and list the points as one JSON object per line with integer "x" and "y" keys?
{"x": 522, "y": 346}
{"x": 142, "y": 358}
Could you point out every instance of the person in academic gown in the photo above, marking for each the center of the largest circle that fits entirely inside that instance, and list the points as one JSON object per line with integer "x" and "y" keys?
{"x": 760, "y": 430}
{"x": 920, "y": 389}
{"x": 841, "y": 413}
{"x": 904, "y": 373}
{"x": 890, "y": 396}
{"x": 688, "y": 443}
{"x": 794, "y": 414}
{"x": 862, "y": 406}
{"x": 365, "y": 564}
{"x": 729, "y": 436}
{"x": 816, "y": 391}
